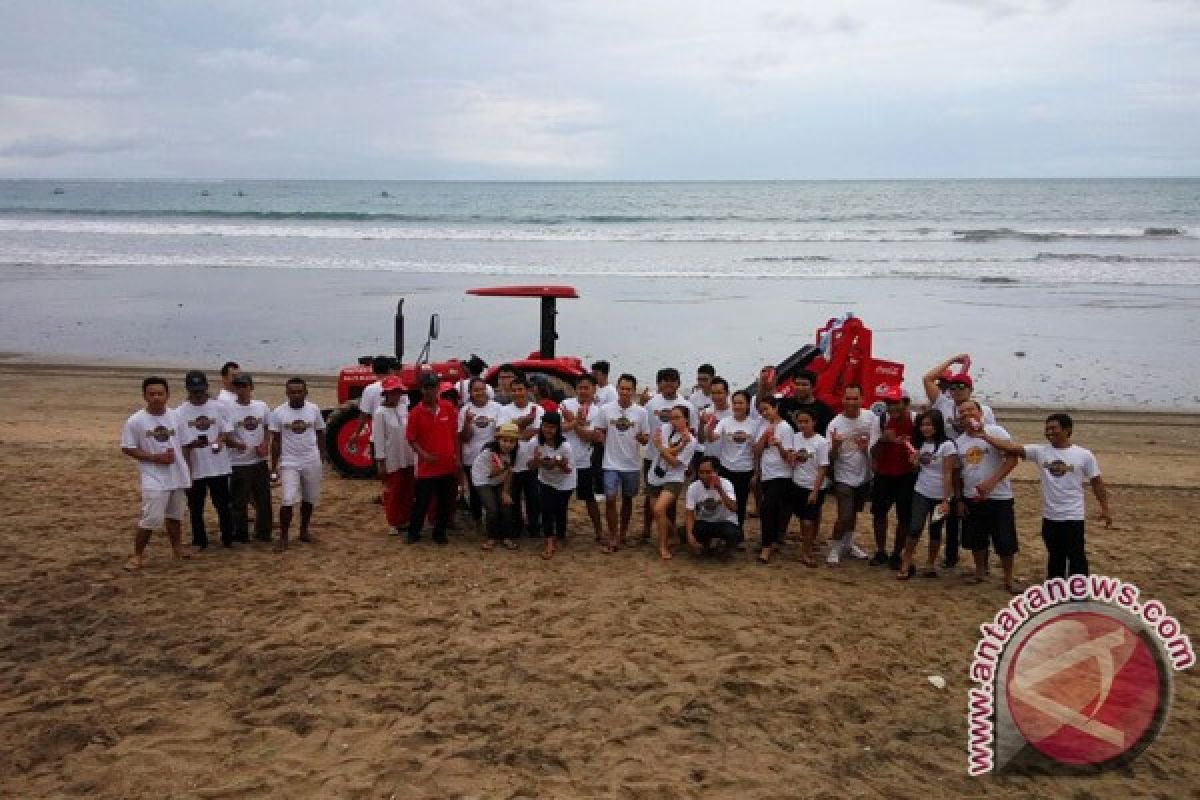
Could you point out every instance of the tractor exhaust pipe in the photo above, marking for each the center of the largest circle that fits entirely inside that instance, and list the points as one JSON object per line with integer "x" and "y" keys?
{"x": 400, "y": 330}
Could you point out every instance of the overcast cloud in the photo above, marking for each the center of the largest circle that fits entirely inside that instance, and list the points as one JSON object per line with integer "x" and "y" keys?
{"x": 600, "y": 90}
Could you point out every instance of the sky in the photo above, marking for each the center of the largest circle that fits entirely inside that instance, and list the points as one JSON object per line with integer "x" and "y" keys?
{"x": 612, "y": 90}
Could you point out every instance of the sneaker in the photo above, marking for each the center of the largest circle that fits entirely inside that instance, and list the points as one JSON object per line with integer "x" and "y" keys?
{"x": 878, "y": 559}
{"x": 857, "y": 552}
{"x": 833, "y": 558}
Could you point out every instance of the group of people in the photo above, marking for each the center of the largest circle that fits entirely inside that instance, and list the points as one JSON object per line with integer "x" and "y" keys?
{"x": 518, "y": 458}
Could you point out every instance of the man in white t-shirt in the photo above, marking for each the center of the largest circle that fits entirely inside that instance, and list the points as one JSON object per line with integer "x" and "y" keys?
{"x": 297, "y": 455}
{"x": 710, "y": 508}
{"x": 228, "y": 393}
{"x": 153, "y": 437}
{"x": 852, "y": 435}
{"x": 946, "y": 388}
{"x": 527, "y": 416}
{"x": 249, "y": 446}
{"x": 579, "y": 417}
{"x": 372, "y": 395}
{"x": 394, "y": 458}
{"x": 985, "y": 496}
{"x": 478, "y": 418}
{"x": 624, "y": 426}
{"x": 206, "y": 429}
{"x": 605, "y": 393}
{"x": 1064, "y": 468}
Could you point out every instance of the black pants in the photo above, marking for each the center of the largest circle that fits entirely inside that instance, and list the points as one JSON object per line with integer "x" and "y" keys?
{"x": 441, "y": 487}
{"x": 709, "y": 533}
{"x": 953, "y": 531}
{"x": 554, "y": 504}
{"x": 218, "y": 487}
{"x": 776, "y": 493}
{"x": 474, "y": 503}
{"x": 597, "y": 469}
{"x": 1064, "y": 548}
{"x": 741, "y": 487}
{"x": 251, "y": 483}
{"x": 527, "y": 507}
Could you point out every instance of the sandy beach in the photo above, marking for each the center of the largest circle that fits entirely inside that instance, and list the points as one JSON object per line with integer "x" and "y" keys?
{"x": 361, "y": 667}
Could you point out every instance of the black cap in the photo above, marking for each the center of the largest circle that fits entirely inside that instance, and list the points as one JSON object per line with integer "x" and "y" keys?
{"x": 429, "y": 379}
{"x": 243, "y": 379}
{"x": 195, "y": 380}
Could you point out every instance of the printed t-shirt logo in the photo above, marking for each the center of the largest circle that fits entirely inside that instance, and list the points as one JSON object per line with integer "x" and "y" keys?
{"x": 1058, "y": 467}
{"x": 664, "y": 414}
{"x": 803, "y": 454}
{"x": 925, "y": 459}
{"x": 201, "y": 423}
{"x": 974, "y": 455}
{"x": 299, "y": 425}
{"x": 160, "y": 433}
{"x": 249, "y": 423}
{"x": 482, "y": 422}
{"x": 741, "y": 437}
{"x": 622, "y": 423}
{"x": 710, "y": 503}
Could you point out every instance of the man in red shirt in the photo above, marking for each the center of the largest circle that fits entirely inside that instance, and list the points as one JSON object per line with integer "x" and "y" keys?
{"x": 895, "y": 476}
{"x": 433, "y": 433}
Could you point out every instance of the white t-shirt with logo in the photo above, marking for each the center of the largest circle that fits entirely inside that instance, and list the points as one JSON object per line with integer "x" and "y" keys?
{"x": 580, "y": 448}
{"x": 671, "y": 474}
{"x": 481, "y": 467}
{"x": 979, "y": 461}
{"x": 298, "y": 429}
{"x": 1063, "y": 473}
{"x": 713, "y": 446}
{"x": 945, "y": 404}
{"x": 931, "y": 460}
{"x": 605, "y": 395}
{"x": 735, "y": 442}
{"x": 622, "y": 426}
{"x": 209, "y": 420}
{"x": 812, "y": 453}
{"x": 248, "y": 424}
{"x": 483, "y": 425}
{"x": 158, "y": 433}
{"x": 227, "y": 397}
{"x": 387, "y": 436}
{"x": 853, "y": 463}
{"x": 772, "y": 464}
{"x": 553, "y": 476}
{"x": 510, "y": 413}
{"x": 707, "y": 503}
{"x": 660, "y": 407}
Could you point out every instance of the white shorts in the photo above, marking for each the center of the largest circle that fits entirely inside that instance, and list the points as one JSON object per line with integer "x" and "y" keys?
{"x": 159, "y": 505}
{"x": 300, "y": 484}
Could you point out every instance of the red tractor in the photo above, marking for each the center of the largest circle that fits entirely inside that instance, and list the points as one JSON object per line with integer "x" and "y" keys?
{"x": 349, "y": 444}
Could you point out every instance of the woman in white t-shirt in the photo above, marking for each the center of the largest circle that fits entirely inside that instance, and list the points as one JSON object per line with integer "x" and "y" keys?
{"x": 931, "y": 453}
{"x": 773, "y": 447}
{"x": 674, "y": 447}
{"x": 735, "y": 436}
{"x": 477, "y": 421}
{"x": 556, "y": 480}
{"x": 810, "y": 478}
{"x": 491, "y": 475}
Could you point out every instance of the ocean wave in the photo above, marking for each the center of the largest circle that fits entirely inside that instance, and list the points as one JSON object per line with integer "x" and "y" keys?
{"x": 992, "y": 234}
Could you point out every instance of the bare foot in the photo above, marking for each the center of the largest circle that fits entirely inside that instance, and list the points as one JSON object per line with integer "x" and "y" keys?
{"x": 304, "y": 537}
{"x": 182, "y": 554}
{"x": 548, "y": 550}
{"x": 664, "y": 554}
{"x": 489, "y": 545}
{"x": 133, "y": 563}
{"x": 279, "y": 547}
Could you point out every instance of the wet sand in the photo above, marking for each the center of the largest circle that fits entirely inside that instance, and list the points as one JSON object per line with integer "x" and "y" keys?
{"x": 361, "y": 667}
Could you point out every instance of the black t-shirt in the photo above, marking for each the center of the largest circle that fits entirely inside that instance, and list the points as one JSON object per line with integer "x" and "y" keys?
{"x": 822, "y": 414}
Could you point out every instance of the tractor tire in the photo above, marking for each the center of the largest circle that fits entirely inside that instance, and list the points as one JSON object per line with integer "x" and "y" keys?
{"x": 350, "y": 456}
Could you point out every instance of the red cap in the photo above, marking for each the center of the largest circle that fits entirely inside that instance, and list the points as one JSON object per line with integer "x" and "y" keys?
{"x": 891, "y": 394}
{"x": 392, "y": 383}
{"x": 962, "y": 378}
{"x": 946, "y": 375}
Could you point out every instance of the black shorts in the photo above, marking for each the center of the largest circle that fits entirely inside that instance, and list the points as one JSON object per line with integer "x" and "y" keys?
{"x": 990, "y": 522}
{"x": 893, "y": 490}
{"x": 800, "y": 507}
{"x": 585, "y": 488}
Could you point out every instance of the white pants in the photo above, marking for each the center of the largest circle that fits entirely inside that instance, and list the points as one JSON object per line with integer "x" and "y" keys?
{"x": 159, "y": 505}
{"x": 300, "y": 484}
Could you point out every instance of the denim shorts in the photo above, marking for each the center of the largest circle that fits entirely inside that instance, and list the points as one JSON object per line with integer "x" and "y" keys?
{"x": 620, "y": 482}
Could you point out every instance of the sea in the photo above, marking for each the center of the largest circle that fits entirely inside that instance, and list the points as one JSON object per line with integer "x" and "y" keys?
{"x": 1074, "y": 292}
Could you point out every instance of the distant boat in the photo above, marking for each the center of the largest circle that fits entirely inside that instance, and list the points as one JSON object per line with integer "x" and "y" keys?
{"x": 239, "y": 193}
{"x": 60, "y": 190}
{"x": 204, "y": 192}
{"x": 384, "y": 194}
